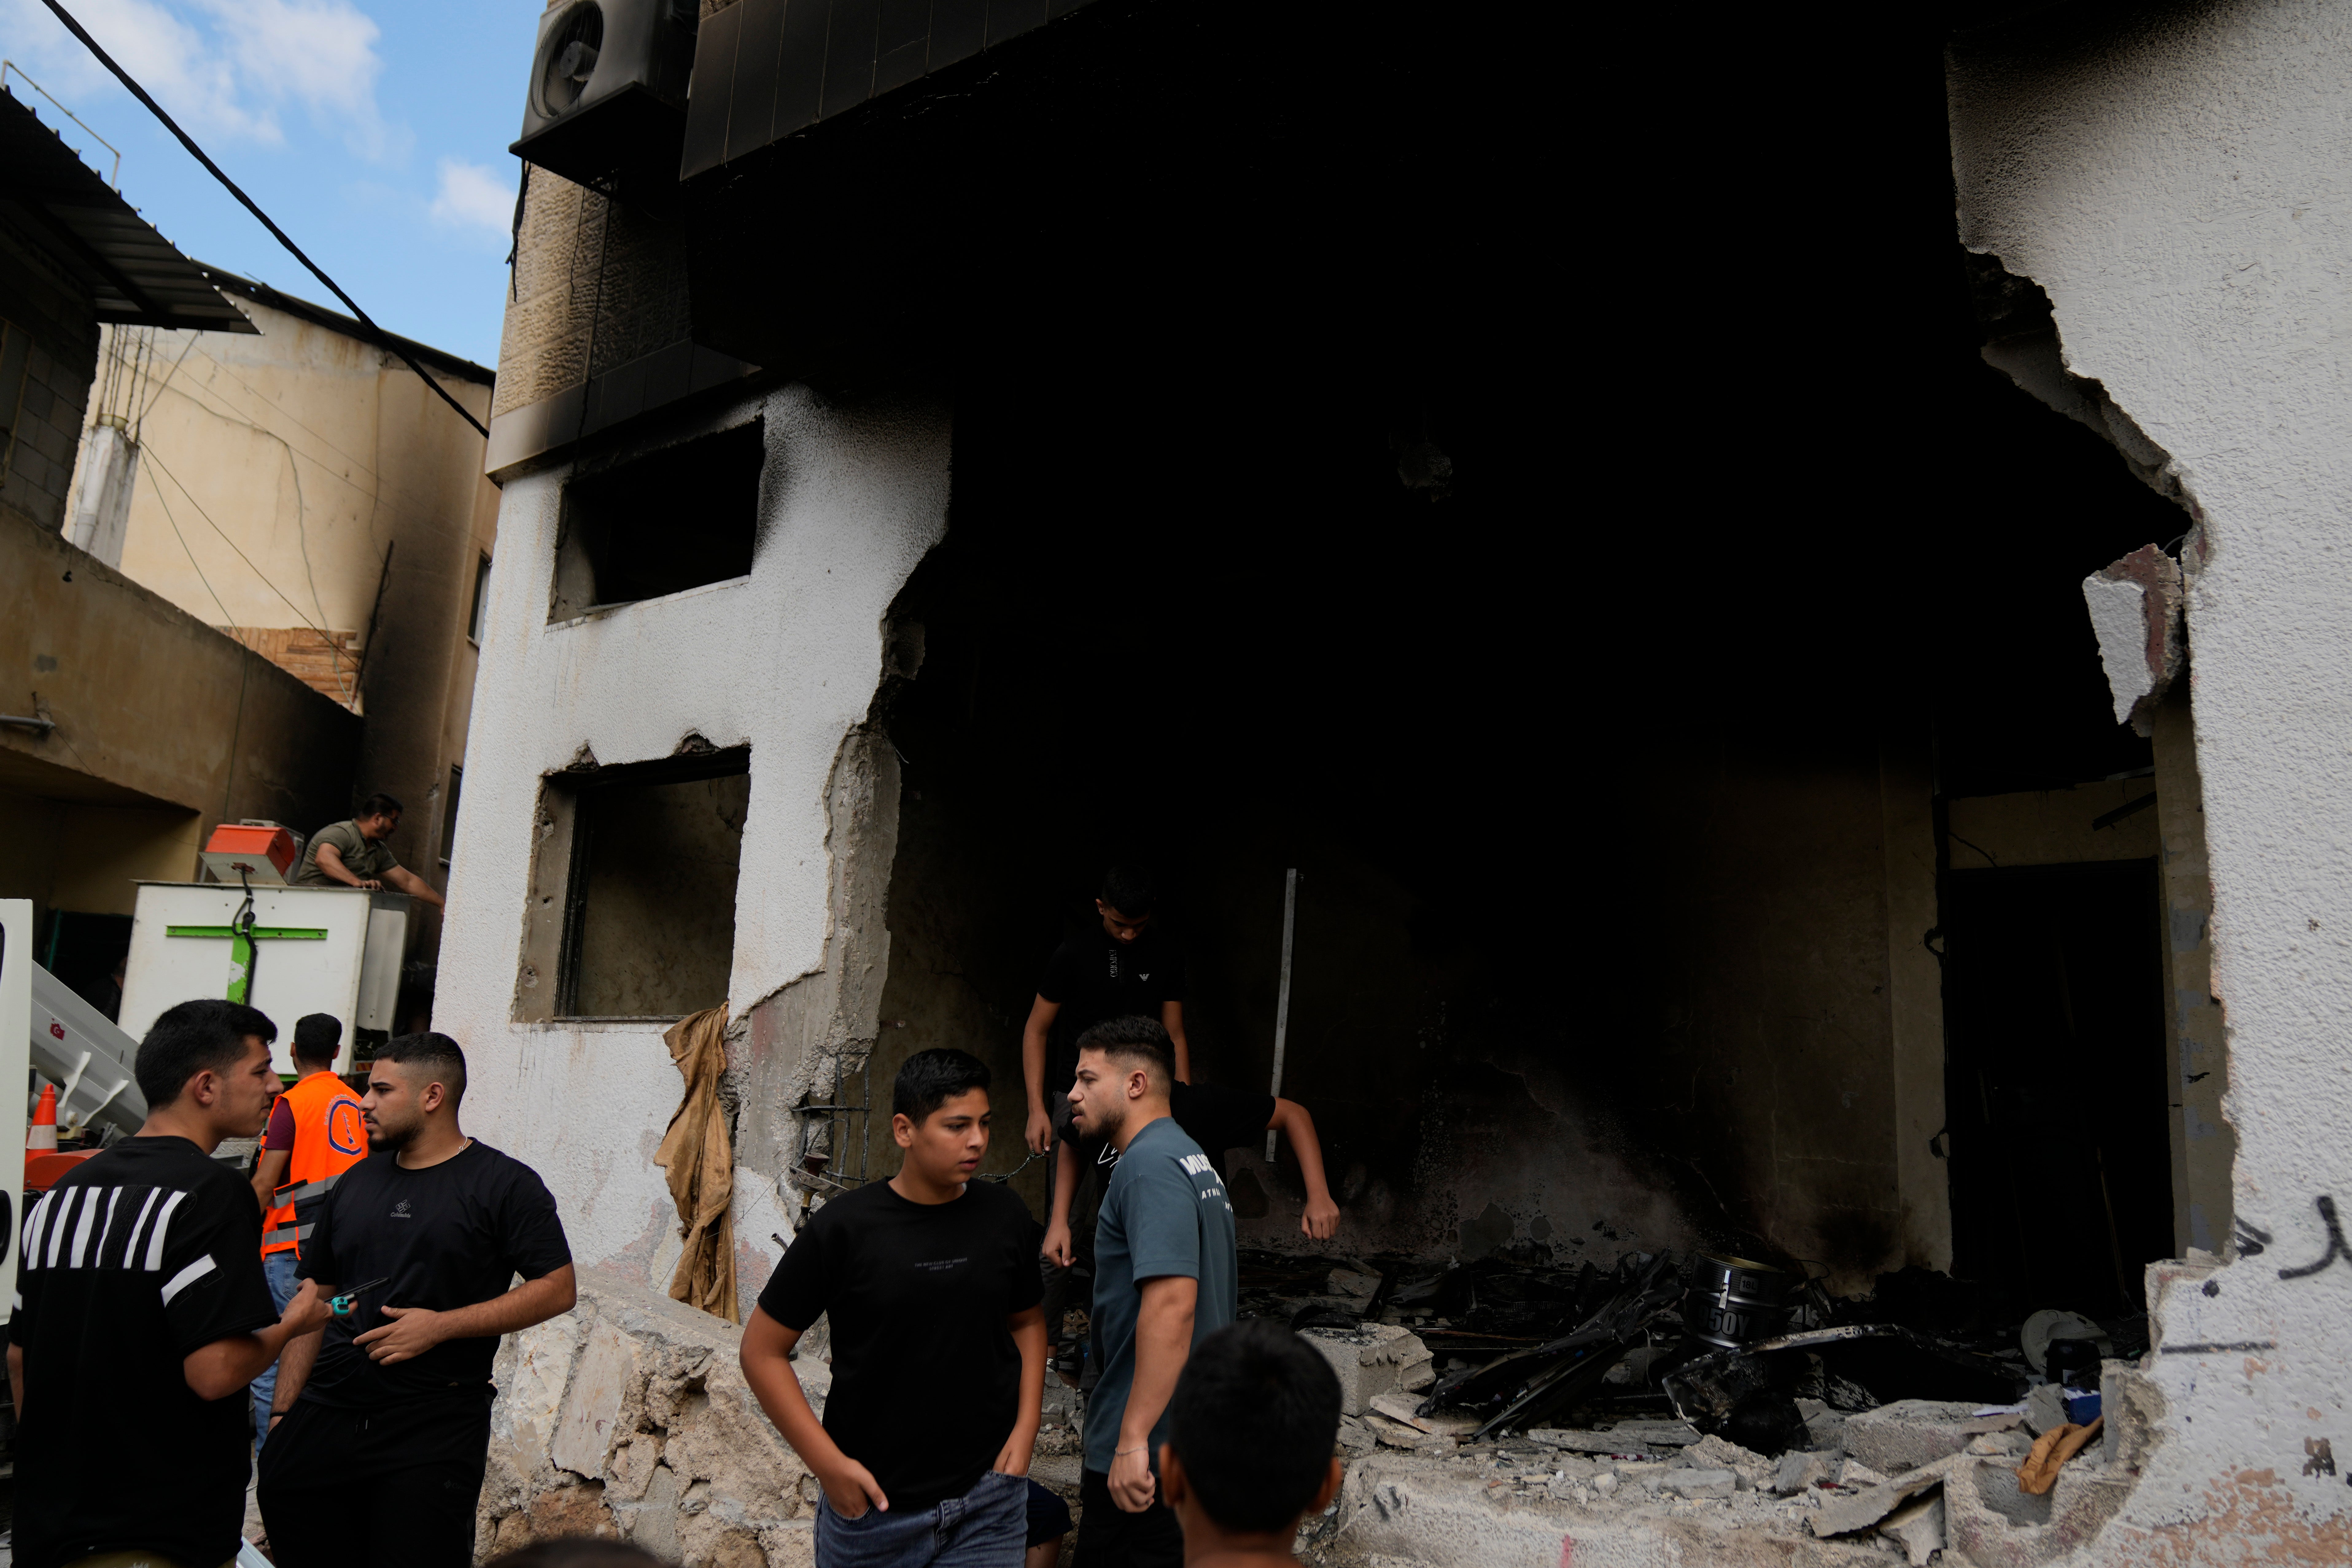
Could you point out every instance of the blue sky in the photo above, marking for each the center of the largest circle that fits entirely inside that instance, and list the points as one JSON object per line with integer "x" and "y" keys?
{"x": 374, "y": 133}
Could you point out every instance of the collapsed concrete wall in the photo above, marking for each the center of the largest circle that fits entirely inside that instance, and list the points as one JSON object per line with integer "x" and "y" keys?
{"x": 784, "y": 661}
{"x": 2165, "y": 178}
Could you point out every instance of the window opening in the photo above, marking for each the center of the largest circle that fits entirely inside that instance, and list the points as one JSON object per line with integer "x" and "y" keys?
{"x": 481, "y": 600}
{"x": 633, "y": 904}
{"x": 672, "y": 520}
{"x": 449, "y": 813}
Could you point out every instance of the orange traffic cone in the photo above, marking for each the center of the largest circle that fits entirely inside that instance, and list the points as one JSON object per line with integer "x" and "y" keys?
{"x": 43, "y": 1138}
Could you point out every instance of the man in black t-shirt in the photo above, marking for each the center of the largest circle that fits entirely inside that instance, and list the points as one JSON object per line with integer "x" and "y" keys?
{"x": 142, "y": 1314}
{"x": 929, "y": 1281}
{"x": 1125, "y": 967}
{"x": 395, "y": 1399}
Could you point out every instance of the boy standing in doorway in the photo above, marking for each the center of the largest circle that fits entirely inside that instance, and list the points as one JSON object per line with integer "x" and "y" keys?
{"x": 929, "y": 1281}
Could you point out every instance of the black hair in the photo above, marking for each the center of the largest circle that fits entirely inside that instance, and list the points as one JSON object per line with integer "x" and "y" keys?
{"x": 317, "y": 1037}
{"x": 1134, "y": 1038}
{"x": 1128, "y": 890}
{"x": 204, "y": 1035}
{"x": 378, "y": 805}
{"x": 440, "y": 1057}
{"x": 578, "y": 1551}
{"x": 1253, "y": 1418}
{"x": 930, "y": 1078}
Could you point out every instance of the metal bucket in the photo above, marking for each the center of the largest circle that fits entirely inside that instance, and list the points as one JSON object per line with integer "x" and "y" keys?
{"x": 1733, "y": 1302}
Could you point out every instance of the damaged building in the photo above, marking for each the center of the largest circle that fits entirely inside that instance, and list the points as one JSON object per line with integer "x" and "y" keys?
{"x": 1792, "y": 719}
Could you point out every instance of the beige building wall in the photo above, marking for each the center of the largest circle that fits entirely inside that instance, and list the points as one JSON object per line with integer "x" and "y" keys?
{"x": 303, "y": 491}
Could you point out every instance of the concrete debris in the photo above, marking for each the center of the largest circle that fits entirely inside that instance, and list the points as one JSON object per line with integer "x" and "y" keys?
{"x": 1753, "y": 1468}
{"x": 2045, "y": 1408}
{"x": 1405, "y": 1408}
{"x": 1918, "y": 1528}
{"x": 1625, "y": 1438}
{"x": 2135, "y": 612}
{"x": 1800, "y": 1472}
{"x": 1371, "y": 1359}
{"x": 1855, "y": 1473}
{"x": 1866, "y": 1508}
{"x": 1910, "y": 1432}
{"x": 1701, "y": 1483}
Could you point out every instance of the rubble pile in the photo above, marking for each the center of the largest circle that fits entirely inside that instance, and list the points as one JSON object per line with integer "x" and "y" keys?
{"x": 1494, "y": 1409}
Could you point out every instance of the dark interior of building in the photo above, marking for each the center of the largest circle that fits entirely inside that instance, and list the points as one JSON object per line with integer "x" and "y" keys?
{"x": 1539, "y": 544}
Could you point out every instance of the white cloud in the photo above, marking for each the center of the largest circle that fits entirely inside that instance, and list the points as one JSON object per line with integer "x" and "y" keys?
{"x": 223, "y": 68}
{"x": 472, "y": 196}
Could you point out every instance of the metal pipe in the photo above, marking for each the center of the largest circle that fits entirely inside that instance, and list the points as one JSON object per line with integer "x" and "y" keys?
{"x": 21, "y": 721}
{"x": 1282, "y": 1005}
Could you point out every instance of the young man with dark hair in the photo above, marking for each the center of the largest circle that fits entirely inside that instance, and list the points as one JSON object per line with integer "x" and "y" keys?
{"x": 1164, "y": 1280}
{"x": 358, "y": 854}
{"x": 1249, "y": 1445}
{"x": 930, "y": 1282}
{"x": 1127, "y": 966}
{"x": 1219, "y": 1119}
{"x": 316, "y": 1132}
{"x": 142, "y": 1314}
{"x": 428, "y": 1231}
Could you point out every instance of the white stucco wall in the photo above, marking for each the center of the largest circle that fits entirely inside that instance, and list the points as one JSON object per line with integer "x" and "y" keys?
{"x": 2178, "y": 187}
{"x": 786, "y": 661}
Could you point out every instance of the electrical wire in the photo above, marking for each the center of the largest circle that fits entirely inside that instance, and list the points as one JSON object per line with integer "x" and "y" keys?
{"x": 226, "y": 619}
{"x": 232, "y": 544}
{"x": 384, "y": 338}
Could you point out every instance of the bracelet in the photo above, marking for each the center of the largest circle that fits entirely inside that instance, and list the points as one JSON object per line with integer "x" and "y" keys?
{"x": 1139, "y": 1448}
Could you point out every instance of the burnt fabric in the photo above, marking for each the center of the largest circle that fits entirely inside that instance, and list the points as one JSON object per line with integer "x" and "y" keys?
{"x": 700, "y": 1164}
{"x": 926, "y": 1377}
{"x": 143, "y": 1255}
{"x": 1093, "y": 976}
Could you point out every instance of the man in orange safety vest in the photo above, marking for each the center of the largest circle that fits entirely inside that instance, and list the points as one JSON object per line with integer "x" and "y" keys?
{"x": 315, "y": 1134}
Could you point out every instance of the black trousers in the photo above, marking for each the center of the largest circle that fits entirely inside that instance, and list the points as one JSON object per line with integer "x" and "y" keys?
{"x": 1110, "y": 1537}
{"x": 390, "y": 1488}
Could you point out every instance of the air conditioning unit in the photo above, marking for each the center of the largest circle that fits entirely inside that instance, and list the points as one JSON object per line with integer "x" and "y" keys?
{"x": 608, "y": 85}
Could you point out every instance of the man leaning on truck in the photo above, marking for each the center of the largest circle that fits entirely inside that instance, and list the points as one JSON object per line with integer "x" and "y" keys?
{"x": 358, "y": 854}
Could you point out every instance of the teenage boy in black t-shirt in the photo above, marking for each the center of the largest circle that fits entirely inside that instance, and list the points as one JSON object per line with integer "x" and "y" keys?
{"x": 395, "y": 1400}
{"x": 929, "y": 1281}
{"x": 1127, "y": 967}
{"x": 142, "y": 1314}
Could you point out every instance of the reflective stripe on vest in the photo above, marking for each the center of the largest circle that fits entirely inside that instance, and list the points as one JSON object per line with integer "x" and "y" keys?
{"x": 329, "y": 1138}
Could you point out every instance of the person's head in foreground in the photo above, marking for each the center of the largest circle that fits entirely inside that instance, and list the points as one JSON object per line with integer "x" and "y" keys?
{"x": 1125, "y": 1065}
{"x": 1251, "y": 1428}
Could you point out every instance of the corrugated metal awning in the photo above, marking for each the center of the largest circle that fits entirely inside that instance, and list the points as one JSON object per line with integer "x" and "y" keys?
{"x": 134, "y": 274}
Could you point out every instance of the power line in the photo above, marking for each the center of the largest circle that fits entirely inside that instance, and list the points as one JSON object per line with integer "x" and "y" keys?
{"x": 383, "y": 338}
{"x": 334, "y": 648}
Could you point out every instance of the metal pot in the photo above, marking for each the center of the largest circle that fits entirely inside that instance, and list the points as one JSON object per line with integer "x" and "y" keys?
{"x": 1732, "y": 1302}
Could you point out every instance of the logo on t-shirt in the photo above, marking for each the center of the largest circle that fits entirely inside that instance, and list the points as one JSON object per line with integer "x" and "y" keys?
{"x": 939, "y": 1263}
{"x": 1195, "y": 1164}
{"x": 400, "y": 1210}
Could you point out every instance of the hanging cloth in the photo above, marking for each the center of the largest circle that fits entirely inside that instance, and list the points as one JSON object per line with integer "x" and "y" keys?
{"x": 700, "y": 1161}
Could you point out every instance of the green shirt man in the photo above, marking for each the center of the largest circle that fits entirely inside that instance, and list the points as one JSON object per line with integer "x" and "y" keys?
{"x": 358, "y": 854}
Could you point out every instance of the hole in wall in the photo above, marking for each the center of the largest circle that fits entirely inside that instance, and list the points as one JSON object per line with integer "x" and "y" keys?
{"x": 671, "y": 520}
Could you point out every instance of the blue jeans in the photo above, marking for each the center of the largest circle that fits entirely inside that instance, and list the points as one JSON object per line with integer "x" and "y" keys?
{"x": 278, "y": 1268}
{"x": 988, "y": 1527}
